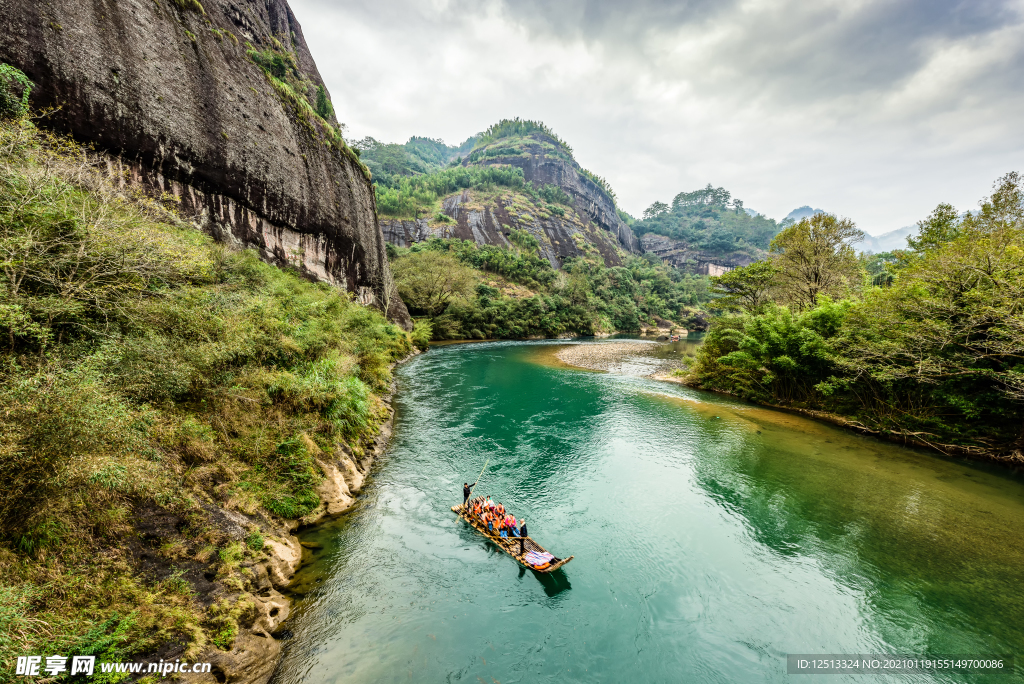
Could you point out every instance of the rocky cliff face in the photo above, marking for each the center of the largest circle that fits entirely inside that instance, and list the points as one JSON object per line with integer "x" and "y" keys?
{"x": 168, "y": 89}
{"x": 487, "y": 220}
{"x": 689, "y": 259}
{"x": 590, "y": 223}
{"x": 590, "y": 201}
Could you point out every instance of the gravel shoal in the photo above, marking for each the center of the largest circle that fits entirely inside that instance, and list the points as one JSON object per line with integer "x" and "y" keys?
{"x": 633, "y": 358}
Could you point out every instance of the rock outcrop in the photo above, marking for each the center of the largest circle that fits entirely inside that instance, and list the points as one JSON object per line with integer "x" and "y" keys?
{"x": 691, "y": 260}
{"x": 169, "y": 89}
{"x": 590, "y": 200}
{"x": 592, "y": 220}
{"x": 490, "y": 224}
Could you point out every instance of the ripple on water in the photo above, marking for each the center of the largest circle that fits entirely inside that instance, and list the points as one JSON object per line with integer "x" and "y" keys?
{"x": 711, "y": 538}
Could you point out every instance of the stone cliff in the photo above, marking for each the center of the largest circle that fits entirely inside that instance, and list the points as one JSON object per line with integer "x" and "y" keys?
{"x": 590, "y": 220}
{"x": 689, "y": 259}
{"x": 171, "y": 91}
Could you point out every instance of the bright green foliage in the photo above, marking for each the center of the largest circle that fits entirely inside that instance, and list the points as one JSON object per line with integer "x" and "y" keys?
{"x": 421, "y": 334}
{"x": 15, "y": 89}
{"x": 710, "y": 220}
{"x": 190, "y": 6}
{"x": 144, "y": 366}
{"x": 518, "y": 128}
{"x": 526, "y": 242}
{"x": 942, "y": 225}
{"x": 882, "y": 268}
{"x": 255, "y": 541}
{"x": 553, "y": 193}
{"x": 278, "y": 63}
{"x": 749, "y": 287}
{"x": 323, "y": 106}
{"x": 773, "y": 356}
{"x": 815, "y": 257}
{"x": 936, "y": 353}
{"x": 587, "y": 297}
{"x": 407, "y": 197}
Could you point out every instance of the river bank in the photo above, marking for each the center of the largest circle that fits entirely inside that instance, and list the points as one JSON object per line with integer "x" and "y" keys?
{"x": 256, "y": 650}
{"x": 636, "y": 358}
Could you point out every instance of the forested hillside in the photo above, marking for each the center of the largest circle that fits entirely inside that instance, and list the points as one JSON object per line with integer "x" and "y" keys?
{"x": 390, "y": 161}
{"x": 469, "y": 291}
{"x": 517, "y": 174}
{"x": 710, "y": 220}
{"x": 166, "y": 403}
{"x": 925, "y": 344}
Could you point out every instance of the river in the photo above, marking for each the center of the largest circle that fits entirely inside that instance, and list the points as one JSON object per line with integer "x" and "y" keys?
{"x": 711, "y": 538}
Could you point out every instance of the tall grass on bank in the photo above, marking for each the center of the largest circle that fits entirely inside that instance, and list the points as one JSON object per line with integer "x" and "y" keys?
{"x": 144, "y": 367}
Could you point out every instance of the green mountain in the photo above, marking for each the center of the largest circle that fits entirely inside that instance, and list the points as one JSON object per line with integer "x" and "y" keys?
{"x": 706, "y": 226}
{"x": 516, "y": 175}
{"x": 417, "y": 156}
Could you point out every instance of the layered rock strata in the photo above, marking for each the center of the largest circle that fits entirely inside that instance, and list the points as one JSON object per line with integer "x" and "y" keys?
{"x": 590, "y": 221}
{"x": 169, "y": 88}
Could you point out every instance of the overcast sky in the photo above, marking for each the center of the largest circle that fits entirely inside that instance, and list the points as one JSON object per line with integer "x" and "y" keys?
{"x": 875, "y": 110}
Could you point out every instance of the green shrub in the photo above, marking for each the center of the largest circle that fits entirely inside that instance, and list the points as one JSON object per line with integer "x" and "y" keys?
{"x": 15, "y": 89}
{"x": 323, "y": 105}
{"x": 190, "y": 6}
{"x": 421, "y": 333}
{"x": 276, "y": 63}
{"x": 255, "y": 541}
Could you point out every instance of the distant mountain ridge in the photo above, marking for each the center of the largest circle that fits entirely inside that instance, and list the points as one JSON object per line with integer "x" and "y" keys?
{"x": 886, "y": 242}
{"x": 802, "y": 212}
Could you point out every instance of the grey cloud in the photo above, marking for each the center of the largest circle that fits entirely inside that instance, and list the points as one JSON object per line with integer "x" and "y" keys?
{"x": 877, "y": 109}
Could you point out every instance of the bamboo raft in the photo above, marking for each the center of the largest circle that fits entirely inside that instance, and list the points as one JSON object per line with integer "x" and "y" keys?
{"x": 510, "y": 545}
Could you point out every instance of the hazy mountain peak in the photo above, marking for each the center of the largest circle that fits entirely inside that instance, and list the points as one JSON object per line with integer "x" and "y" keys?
{"x": 803, "y": 212}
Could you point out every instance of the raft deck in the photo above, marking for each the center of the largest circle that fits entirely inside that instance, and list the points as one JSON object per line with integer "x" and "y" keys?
{"x": 510, "y": 545}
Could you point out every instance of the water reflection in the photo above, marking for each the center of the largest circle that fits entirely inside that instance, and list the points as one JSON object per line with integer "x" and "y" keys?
{"x": 710, "y": 539}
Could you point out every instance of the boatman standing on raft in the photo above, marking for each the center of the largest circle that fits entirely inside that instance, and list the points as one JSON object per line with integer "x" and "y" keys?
{"x": 467, "y": 489}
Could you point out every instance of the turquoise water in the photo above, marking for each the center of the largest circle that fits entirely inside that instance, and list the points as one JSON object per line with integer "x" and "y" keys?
{"x": 710, "y": 539}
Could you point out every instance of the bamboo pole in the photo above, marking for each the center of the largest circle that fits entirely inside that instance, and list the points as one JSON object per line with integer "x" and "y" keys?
{"x": 477, "y": 481}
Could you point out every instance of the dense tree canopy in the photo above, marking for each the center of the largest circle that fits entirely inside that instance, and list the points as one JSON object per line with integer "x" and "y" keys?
{"x": 586, "y": 297}
{"x": 933, "y": 351}
{"x": 815, "y": 257}
{"x": 711, "y": 220}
